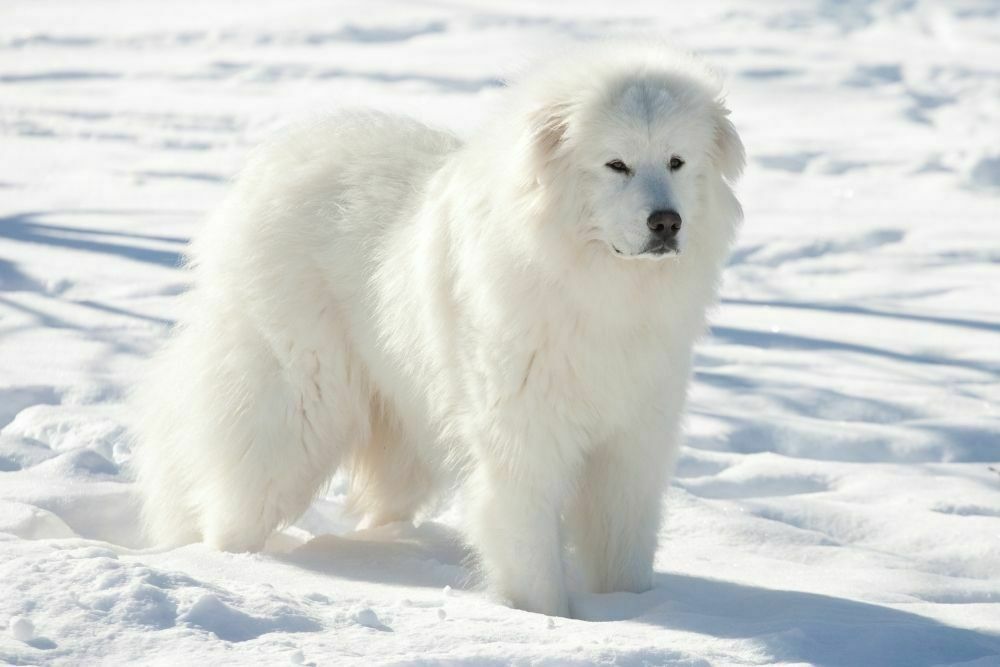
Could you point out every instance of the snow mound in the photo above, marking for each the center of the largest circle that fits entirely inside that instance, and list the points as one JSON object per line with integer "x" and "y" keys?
{"x": 985, "y": 172}
{"x": 228, "y": 623}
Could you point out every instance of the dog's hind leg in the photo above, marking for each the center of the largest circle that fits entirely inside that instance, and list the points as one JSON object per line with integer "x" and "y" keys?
{"x": 243, "y": 440}
{"x": 389, "y": 481}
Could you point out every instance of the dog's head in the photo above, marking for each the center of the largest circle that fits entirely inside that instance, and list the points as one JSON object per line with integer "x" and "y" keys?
{"x": 639, "y": 149}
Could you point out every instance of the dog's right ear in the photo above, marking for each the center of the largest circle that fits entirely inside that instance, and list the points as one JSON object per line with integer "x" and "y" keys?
{"x": 730, "y": 155}
{"x": 549, "y": 125}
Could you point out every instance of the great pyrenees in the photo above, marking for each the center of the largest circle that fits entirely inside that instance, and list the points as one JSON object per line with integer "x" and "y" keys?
{"x": 512, "y": 316}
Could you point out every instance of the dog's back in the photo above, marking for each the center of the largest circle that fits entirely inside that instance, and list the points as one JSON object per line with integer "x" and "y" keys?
{"x": 338, "y": 183}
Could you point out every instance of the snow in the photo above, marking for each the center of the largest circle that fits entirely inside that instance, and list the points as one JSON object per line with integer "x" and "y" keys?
{"x": 838, "y": 500}
{"x": 22, "y": 629}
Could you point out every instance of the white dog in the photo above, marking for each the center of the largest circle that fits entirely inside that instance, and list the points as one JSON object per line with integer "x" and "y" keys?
{"x": 515, "y": 314}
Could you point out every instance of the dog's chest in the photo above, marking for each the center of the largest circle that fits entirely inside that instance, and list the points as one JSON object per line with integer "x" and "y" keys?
{"x": 599, "y": 383}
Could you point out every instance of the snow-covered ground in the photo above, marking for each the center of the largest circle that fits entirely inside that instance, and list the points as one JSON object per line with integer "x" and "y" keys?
{"x": 835, "y": 503}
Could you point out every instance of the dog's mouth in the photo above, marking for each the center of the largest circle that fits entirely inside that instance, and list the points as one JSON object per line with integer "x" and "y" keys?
{"x": 659, "y": 249}
{"x": 654, "y": 250}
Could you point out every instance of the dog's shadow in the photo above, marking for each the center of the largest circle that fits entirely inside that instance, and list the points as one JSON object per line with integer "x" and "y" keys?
{"x": 793, "y": 626}
{"x": 429, "y": 555}
{"x": 790, "y": 626}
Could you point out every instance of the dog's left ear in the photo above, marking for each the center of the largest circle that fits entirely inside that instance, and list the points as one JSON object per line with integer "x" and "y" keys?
{"x": 730, "y": 156}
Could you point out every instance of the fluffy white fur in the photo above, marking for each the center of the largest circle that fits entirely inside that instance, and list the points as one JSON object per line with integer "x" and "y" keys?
{"x": 378, "y": 295}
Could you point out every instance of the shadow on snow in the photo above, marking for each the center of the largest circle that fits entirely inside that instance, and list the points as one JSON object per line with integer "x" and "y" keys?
{"x": 26, "y": 228}
{"x": 793, "y": 626}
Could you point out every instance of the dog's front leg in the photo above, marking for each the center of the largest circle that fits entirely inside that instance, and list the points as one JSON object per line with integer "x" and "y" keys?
{"x": 614, "y": 519}
{"x": 514, "y": 523}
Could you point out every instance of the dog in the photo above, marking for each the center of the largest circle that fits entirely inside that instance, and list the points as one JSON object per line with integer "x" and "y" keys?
{"x": 511, "y": 317}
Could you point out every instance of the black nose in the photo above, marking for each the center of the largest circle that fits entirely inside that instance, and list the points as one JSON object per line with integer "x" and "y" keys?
{"x": 664, "y": 223}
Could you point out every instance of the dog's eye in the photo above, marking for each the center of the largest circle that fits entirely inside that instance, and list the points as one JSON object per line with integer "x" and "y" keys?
{"x": 619, "y": 166}
{"x": 676, "y": 163}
